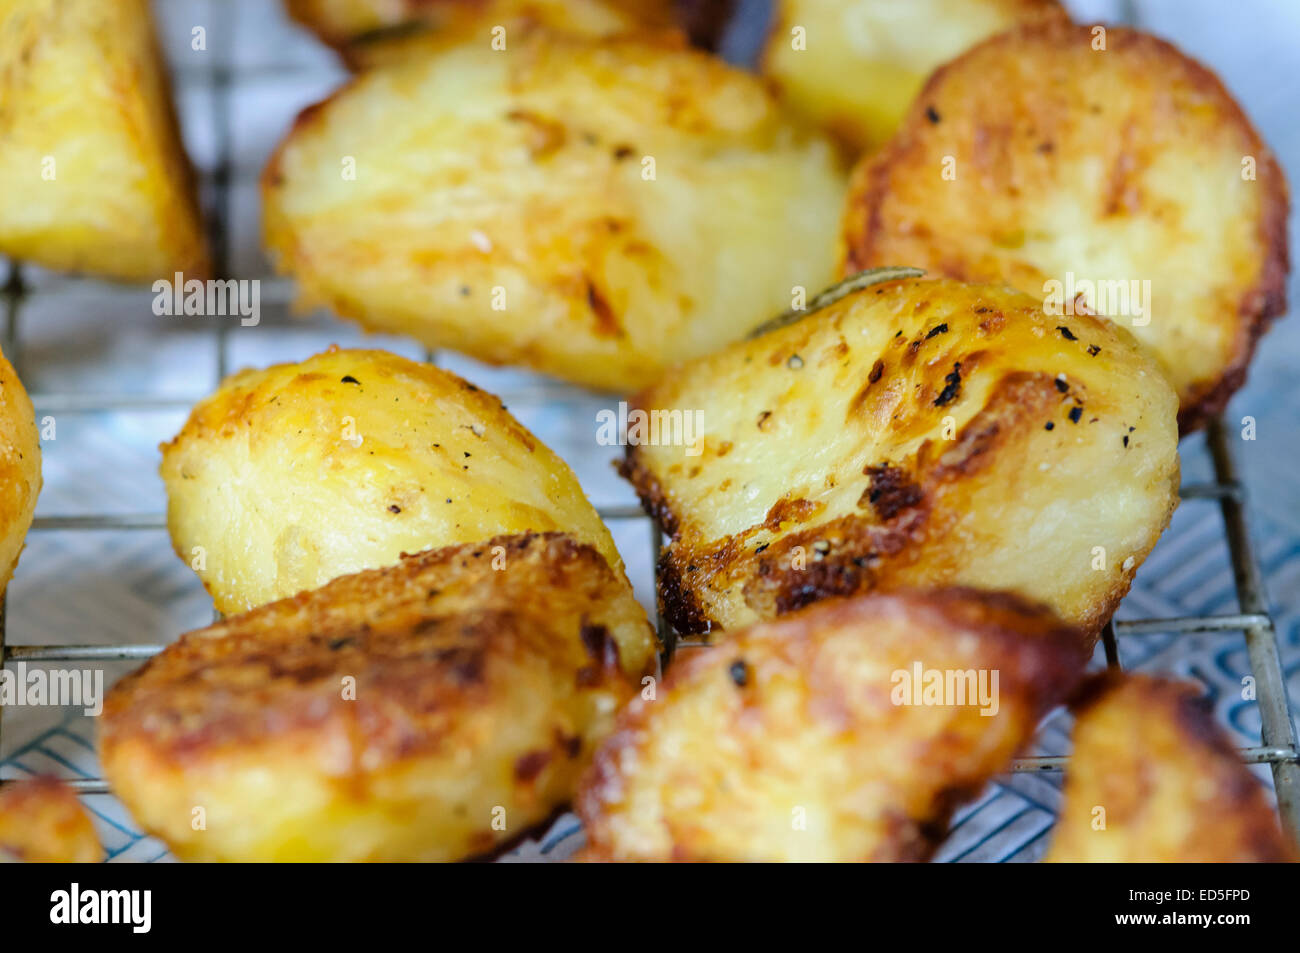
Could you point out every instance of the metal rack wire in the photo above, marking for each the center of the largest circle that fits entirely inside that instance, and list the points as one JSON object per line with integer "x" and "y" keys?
{"x": 1278, "y": 744}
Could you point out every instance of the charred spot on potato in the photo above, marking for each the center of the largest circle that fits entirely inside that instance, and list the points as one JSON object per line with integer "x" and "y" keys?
{"x": 571, "y": 744}
{"x": 951, "y": 388}
{"x": 790, "y": 510}
{"x": 530, "y": 765}
{"x": 678, "y": 603}
{"x": 798, "y": 588}
{"x": 600, "y": 645}
{"x": 891, "y": 491}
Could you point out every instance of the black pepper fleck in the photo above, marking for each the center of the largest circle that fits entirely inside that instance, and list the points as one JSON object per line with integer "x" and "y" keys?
{"x": 1061, "y": 385}
{"x": 739, "y": 673}
{"x": 1075, "y": 413}
{"x": 937, "y": 329}
{"x": 349, "y": 379}
{"x": 1066, "y": 333}
{"x": 932, "y": 114}
{"x": 1049, "y": 426}
{"x": 1093, "y": 350}
{"x": 394, "y": 508}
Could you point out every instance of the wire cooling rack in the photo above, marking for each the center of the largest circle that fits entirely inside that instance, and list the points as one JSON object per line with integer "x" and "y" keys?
{"x": 1277, "y": 747}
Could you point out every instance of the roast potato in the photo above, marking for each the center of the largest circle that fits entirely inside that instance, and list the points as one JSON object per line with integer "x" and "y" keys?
{"x": 340, "y": 22}
{"x": 372, "y": 31}
{"x": 1154, "y": 780}
{"x": 502, "y": 205}
{"x": 1126, "y": 176}
{"x": 803, "y": 739}
{"x": 854, "y": 66}
{"x": 42, "y": 822}
{"x": 913, "y": 432}
{"x": 290, "y": 476}
{"x": 391, "y": 715}
{"x": 20, "y": 469}
{"x": 95, "y": 176}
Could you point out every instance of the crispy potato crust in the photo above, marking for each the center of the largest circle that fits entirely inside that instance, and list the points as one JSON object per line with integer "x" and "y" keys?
{"x": 390, "y": 715}
{"x": 20, "y": 469}
{"x": 863, "y": 61}
{"x": 96, "y": 179}
{"x": 1173, "y": 789}
{"x": 797, "y": 739}
{"x": 42, "y": 822}
{"x": 1124, "y": 165}
{"x": 596, "y": 211}
{"x": 915, "y": 433}
{"x": 288, "y": 477}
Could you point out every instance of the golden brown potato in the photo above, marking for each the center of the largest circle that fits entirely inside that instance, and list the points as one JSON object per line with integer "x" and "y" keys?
{"x": 290, "y": 476}
{"x": 339, "y": 22}
{"x": 854, "y": 66}
{"x": 426, "y": 711}
{"x": 42, "y": 822}
{"x": 1126, "y": 176}
{"x": 373, "y": 31}
{"x": 20, "y": 469}
{"x": 816, "y": 738}
{"x": 594, "y": 211}
{"x": 1154, "y": 780}
{"x": 915, "y": 433}
{"x": 95, "y": 176}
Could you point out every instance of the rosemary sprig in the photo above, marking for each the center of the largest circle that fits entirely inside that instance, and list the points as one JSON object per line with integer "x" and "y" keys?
{"x": 863, "y": 279}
